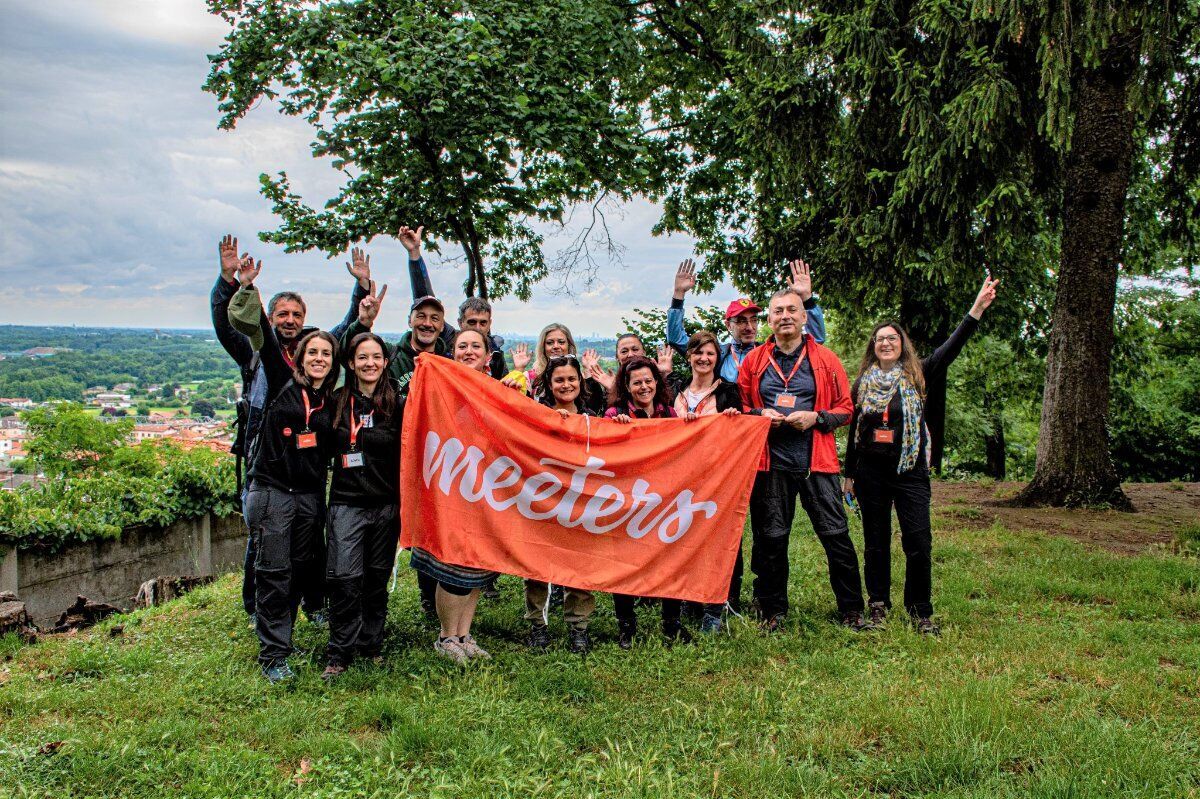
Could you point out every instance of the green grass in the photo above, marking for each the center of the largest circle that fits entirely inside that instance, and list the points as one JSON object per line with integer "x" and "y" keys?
{"x": 1062, "y": 672}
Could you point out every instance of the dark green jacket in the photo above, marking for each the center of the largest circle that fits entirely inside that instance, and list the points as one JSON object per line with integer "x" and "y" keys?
{"x": 402, "y": 358}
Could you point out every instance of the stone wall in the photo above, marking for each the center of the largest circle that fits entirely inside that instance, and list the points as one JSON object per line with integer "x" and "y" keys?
{"x": 111, "y": 571}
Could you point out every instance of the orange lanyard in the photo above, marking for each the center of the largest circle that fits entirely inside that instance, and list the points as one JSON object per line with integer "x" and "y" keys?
{"x": 779, "y": 371}
{"x": 354, "y": 428}
{"x": 309, "y": 410}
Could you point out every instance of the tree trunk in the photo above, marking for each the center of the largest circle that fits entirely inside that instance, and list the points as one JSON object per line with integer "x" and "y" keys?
{"x": 994, "y": 446}
{"x": 1074, "y": 467}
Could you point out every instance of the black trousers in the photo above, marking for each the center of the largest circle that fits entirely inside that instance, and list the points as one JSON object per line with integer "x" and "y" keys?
{"x": 772, "y": 509}
{"x": 312, "y": 593}
{"x": 360, "y": 556}
{"x": 626, "y": 617}
{"x": 289, "y": 542}
{"x": 878, "y": 489}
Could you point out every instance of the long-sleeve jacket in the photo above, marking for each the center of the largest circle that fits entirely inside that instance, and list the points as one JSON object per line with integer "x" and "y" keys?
{"x": 377, "y": 481}
{"x": 832, "y": 403}
{"x": 422, "y": 286}
{"x": 276, "y": 458}
{"x": 731, "y": 354}
{"x": 934, "y": 367}
{"x": 243, "y": 351}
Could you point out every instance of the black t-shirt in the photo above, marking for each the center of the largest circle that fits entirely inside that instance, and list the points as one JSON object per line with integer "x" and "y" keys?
{"x": 791, "y": 449}
{"x": 377, "y": 481}
{"x": 878, "y": 452}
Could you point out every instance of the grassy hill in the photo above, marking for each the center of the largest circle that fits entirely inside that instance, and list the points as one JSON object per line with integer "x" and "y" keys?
{"x": 1064, "y": 671}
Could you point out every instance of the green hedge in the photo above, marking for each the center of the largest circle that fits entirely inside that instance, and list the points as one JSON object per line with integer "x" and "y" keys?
{"x": 185, "y": 484}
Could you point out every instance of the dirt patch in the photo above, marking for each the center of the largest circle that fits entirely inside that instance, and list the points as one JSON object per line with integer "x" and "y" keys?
{"x": 1162, "y": 508}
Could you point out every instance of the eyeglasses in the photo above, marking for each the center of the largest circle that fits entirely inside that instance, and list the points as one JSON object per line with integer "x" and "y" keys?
{"x": 886, "y": 339}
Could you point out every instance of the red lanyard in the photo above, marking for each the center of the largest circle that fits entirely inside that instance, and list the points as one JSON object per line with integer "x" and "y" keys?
{"x": 287, "y": 357}
{"x": 886, "y": 408}
{"x": 309, "y": 410}
{"x": 354, "y": 428}
{"x": 779, "y": 371}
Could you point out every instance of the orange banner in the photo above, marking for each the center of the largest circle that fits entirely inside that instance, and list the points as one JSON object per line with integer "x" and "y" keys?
{"x": 492, "y": 479}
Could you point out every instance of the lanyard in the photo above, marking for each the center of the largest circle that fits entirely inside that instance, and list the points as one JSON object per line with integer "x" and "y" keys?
{"x": 886, "y": 408}
{"x": 287, "y": 358}
{"x": 309, "y": 410}
{"x": 354, "y": 428}
{"x": 778, "y": 371}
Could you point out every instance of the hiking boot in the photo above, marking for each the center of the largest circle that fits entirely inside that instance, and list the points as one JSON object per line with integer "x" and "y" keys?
{"x": 877, "y": 615}
{"x": 676, "y": 634}
{"x": 451, "y": 649}
{"x": 253, "y": 619}
{"x": 711, "y": 623}
{"x": 774, "y": 624}
{"x": 333, "y": 671}
{"x": 625, "y": 634}
{"x": 539, "y": 638}
{"x": 473, "y": 650}
{"x": 853, "y": 620}
{"x": 278, "y": 672}
{"x": 579, "y": 642}
{"x": 556, "y": 596}
{"x": 925, "y": 626}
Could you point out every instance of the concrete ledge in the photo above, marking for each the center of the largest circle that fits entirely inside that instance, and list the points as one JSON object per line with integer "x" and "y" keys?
{"x": 111, "y": 571}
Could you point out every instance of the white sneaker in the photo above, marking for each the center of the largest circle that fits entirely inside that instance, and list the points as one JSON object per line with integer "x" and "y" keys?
{"x": 450, "y": 648}
{"x": 474, "y": 650}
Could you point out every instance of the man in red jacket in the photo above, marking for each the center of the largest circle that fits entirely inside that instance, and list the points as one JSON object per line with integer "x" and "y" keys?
{"x": 801, "y": 387}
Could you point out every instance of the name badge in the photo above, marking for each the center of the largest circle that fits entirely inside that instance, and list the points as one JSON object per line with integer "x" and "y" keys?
{"x": 367, "y": 420}
{"x": 884, "y": 435}
{"x": 306, "y": 440}
{"x": 352, "y": 460}
{"x": 785, "y": 401}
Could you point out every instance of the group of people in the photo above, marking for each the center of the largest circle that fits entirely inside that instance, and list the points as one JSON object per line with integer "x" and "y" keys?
{"x": 331, "y": 552}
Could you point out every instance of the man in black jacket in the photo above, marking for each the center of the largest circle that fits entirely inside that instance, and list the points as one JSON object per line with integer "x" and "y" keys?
{"x": 287, "y": 312}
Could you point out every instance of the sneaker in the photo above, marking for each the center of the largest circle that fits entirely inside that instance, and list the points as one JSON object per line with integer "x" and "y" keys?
{"x": 539, "y": 638}
{"x": 711, "y": 623}
{"x": 473, "y": 650}
{"x": 450, "y": 648}
{"x": 626, "y": 634}
{"x": 877, "y": 615}
{"x": 278, "y": 672}
{"x": 579, "y": 642}
{"x": 333, "y": 671}
{"x": 853, "y": 620}
{"x": 925, "y": 626}
{"x": 774, "y": 624}
{"x": 318, "y": 618}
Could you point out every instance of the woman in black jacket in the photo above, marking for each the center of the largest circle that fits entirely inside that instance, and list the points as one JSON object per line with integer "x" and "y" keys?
{"x": 364, "y": 521}
{"x": 285, "y": 503}
{"x": 887, "y": 459}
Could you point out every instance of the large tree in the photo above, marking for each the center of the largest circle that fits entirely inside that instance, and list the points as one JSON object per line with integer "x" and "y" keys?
{"x": 470, "y": 117}
{"x": 902, "y": 146}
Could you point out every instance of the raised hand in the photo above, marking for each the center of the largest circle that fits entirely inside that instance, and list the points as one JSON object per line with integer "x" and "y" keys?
{"x": 359, "y": 267}
{"x": 666, "y": 360}
{"x": 801, "y": 278}
{"x": 601, "y": 375}
{"x": 520, "y": 356}
{"x": 368, "y": 309}
{"x": 987, "y": 294}
{"x": 228, "y": 257}
{"x": 411, "y": 239}
{"x": 685, "y": 278}
{"x": 247, "y": 270}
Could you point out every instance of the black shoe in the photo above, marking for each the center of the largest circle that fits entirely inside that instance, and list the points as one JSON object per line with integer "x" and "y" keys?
{"x": 853, "y": 620}
{"x": 676, "y": 634}
{"x": 579, "y": 642}
{"x": 877, "y": 615}
{"x": 925, "y": 626}
{"x": 625, "y": 635}
{"x": 774, "y": 624}
{"x": 539, "y": 638}
{"x": 490, "y": 591}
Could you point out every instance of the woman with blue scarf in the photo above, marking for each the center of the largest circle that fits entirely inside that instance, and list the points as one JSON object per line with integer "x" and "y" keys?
{"x": 887, "y": 459}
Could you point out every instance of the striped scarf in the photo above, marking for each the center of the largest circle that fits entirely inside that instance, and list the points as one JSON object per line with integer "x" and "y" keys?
{"x": 875, "y": 390}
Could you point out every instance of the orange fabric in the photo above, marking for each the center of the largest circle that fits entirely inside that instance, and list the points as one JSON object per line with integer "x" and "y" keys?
{"x": 492, "y": 480}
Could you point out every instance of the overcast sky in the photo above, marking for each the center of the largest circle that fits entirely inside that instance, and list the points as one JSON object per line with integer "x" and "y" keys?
{"x": 115, "y": 185}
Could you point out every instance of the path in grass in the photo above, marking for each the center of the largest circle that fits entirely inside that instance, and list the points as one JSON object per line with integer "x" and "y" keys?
{"x": 1063, "y": 672}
